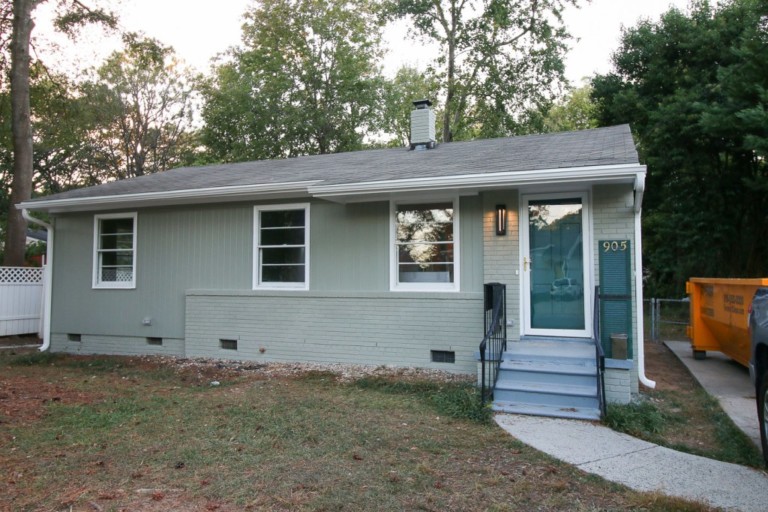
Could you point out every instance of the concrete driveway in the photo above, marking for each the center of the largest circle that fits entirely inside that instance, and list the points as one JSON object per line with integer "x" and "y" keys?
{"x": 726, "y": 380}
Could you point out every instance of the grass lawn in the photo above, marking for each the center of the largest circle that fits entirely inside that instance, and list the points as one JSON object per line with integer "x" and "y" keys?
{"x": 106, "y": 433}
{"x": 680, "y": 415}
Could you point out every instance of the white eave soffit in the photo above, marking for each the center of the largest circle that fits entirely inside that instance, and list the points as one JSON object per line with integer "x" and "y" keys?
{"x": 467, "y": 184}
{"x": 170, "y": 198}
{"x": 474, "y": 183}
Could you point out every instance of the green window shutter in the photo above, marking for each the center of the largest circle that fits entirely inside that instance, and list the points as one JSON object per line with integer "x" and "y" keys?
{"x": 615, "y": 292}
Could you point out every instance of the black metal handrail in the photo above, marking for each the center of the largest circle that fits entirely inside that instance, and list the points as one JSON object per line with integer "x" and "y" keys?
{"x": 495, "y": 340}
{"x": 599, "y": 353}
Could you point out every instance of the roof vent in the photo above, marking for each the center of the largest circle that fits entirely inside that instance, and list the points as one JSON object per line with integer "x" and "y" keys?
{"x": 422, "y": 125}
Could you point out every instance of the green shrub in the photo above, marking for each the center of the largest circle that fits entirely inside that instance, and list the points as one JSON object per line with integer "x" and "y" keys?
{"x": 460, "y": 401}
{"x": 397, "y": 386}
{"x": 642, "y": 419}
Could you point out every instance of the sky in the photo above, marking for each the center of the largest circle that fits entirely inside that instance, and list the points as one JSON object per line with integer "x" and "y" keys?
{"x": 199, "y": 32}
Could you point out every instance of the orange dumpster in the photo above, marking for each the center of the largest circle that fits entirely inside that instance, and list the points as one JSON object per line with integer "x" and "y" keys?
{"x": 720, "y": 316}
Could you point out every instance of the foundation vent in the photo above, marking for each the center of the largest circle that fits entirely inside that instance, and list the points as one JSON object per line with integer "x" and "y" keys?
{"x": 443, "y": 356}
{"x": 228, "y": 344}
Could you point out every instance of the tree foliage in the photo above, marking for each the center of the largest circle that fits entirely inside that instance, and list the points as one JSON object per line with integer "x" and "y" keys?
{"x": 408, "y": 85}
{"x": 140, "y": 107}
{"x": 575, "y": 112}
{"x": 304, "y": 81}
{"x": 62, "y": 155}
{"x": 69, "y": 15}
{"x": 694, "y": 88}
{"x": 6, "y": 29}
{"x": 500, "y": 60}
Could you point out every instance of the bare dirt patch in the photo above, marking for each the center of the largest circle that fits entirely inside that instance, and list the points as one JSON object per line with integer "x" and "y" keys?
{"x": 667, "y": 370}
{"x": 23, "y": 399}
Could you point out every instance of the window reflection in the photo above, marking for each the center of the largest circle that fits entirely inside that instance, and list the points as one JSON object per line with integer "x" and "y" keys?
{"x": 425, "y": 243}
{"x": 557, "y": 266}
{"x": 282, "y": 246}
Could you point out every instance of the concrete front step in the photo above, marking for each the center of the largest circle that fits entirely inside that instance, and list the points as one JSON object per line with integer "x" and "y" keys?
{"x": 546, "y": 393}
{"x": 558, "y": 339}
{"x": 548, "y": 371}
{"x": 577, "y": 413}
{"x": 550, "y": 350}
{"x": 549, "y": 377}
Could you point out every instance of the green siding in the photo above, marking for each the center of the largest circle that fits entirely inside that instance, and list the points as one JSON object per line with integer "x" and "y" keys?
{"x": 472, "y": 251}
{"x": 349, "y": 247}
{"x": 177, "y": 249}
{"x": 211, "y": 247}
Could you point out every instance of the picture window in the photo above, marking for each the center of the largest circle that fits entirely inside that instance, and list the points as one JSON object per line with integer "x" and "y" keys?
{"x": 425, "y": 245}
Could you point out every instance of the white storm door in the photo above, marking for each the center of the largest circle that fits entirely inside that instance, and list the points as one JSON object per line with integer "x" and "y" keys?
{"x": 556, "y": 264}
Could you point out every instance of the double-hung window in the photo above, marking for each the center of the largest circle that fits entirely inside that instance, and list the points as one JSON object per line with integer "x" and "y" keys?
{"x": 281, "y": 252}
{"x": 426, "y": 243}
{"x": 114, "y": 251}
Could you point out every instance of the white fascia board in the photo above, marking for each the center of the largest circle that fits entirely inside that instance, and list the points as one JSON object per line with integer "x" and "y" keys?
{"x": 500, "y": 179}
{"x": 172, "y": 197}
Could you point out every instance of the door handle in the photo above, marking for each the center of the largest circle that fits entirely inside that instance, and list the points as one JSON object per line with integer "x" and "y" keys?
{"x": 526, "y": 262}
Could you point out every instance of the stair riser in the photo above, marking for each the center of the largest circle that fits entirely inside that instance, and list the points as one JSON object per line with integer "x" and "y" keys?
{"x": 532, "y": 397}
{"x": 550, "y": 351}
{"x": 541, "y": 377}
{"x": 544, "y": 358}
{"x": 578, "y": 414}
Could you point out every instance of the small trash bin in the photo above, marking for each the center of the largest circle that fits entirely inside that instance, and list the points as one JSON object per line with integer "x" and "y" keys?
{"x": 618, "y": 346}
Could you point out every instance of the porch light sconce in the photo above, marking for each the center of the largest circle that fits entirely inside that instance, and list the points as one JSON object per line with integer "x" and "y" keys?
{"x": 501, "y": 219}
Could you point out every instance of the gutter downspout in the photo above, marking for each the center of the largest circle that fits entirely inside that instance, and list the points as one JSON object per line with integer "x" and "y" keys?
{"x": 47, "y": 273}
{"x": 639, "y": 190}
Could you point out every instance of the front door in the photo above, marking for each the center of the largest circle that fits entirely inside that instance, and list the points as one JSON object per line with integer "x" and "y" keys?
{"x": 555, "y": 264}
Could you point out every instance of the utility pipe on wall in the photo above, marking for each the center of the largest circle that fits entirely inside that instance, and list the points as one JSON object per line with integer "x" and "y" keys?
{"x": 47, "y": 273}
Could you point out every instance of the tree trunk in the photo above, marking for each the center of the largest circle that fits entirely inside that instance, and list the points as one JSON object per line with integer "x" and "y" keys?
{"x": 451, "y": 85}
{"x": 21, "y": 187}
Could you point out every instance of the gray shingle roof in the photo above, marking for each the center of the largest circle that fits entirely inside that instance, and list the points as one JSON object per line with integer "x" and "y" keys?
{"x": 586, "y": 148}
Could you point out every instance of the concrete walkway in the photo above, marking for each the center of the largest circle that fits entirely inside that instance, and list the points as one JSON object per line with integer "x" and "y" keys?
{"x": 726, "y": 380}
{"x": 644, "y": 466}
{"x": 641, "y": 465}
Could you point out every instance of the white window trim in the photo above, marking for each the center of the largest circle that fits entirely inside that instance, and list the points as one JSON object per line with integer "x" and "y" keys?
{"x": 396, "y": 286}
{"x": 257, "y": 282}
{"x": 97, "y": 283}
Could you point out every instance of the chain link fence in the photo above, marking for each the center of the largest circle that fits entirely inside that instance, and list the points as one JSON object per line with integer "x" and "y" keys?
{"x": 666, "y": 319}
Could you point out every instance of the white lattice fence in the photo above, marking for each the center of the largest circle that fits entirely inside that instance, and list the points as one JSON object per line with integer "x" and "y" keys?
{"x": 21, "y": 298}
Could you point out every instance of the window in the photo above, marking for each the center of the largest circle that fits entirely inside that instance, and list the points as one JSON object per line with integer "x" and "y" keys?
{"x": 281, "y": 248}
{"x": 114, "y": 251}
{"x": 425, "y": 246}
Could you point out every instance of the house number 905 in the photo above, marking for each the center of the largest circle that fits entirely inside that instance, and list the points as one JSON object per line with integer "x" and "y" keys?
{"x": 615, "y": 246}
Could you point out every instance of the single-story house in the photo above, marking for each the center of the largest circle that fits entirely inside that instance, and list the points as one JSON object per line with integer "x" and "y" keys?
{"x": 373, "y": 257}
